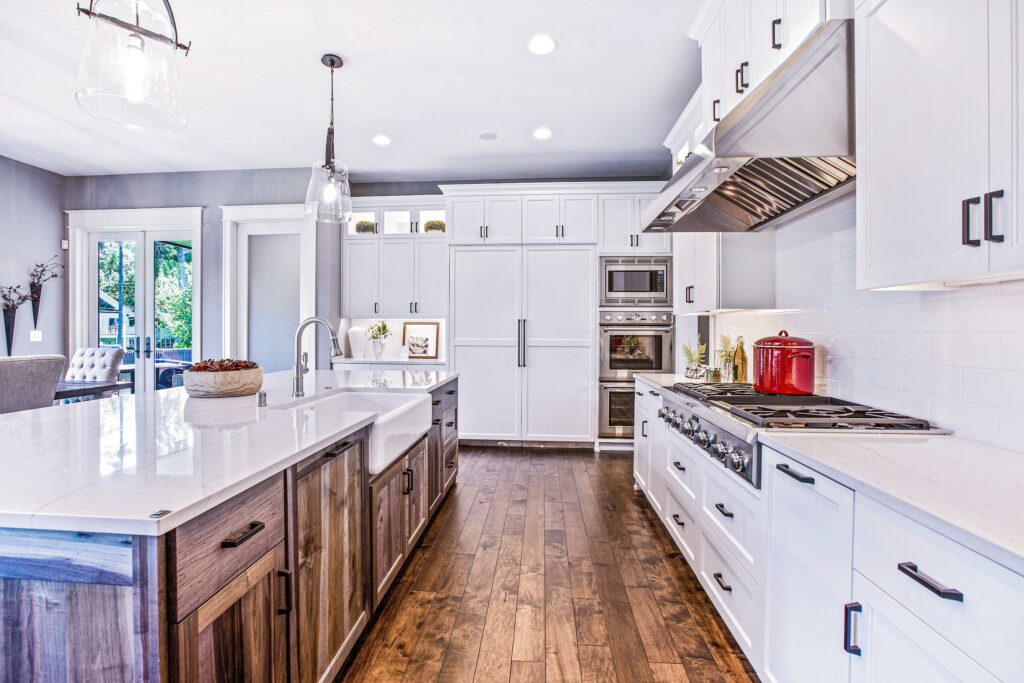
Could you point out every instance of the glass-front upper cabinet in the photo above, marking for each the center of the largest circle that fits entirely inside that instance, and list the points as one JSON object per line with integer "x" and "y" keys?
{"x": 410, "y": 218}
{"x": 397, "y": 220}
{"x": 364, "y": 223}
{"x": 431, "y": 221}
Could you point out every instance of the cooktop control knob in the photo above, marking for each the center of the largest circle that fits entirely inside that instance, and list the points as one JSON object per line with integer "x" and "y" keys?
{"x": 719, "y": 450}
{"x": 702, "y": 438}
{"x": 618, "y": 317}
{"x": 664, "y": 316}
{"x": 607, "y": 316}
{"x": 738, "y": 461}
{"x": 688, "y": 428}
{"x": 662, "y": 413}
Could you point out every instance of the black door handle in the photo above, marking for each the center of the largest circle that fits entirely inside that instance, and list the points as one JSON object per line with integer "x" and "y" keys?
{"x": 653, "y": 393}
{"x": 689, "y": 294}
{"x": 989, "y": 234}
{"x": 149, "y": 350}
{"x": 965, "y": 222}
{"x": 802, "y": 478}
{"x": 287, "y": 576}
{"x": 714, "y": 111}
{"x": 736, "y": 79}
{"x": 725, "y": 513}
{"x": 776, "y": 45}
{"x": 408, "y": 482}
{"x": 743, "y": 75}
{"x": 911, "y": 570}
{"x": 675, "y": 518}
{"x": 643, "y": 429}
{"x": 253, "y": 529}
{"x": 848, "y": 610}
{"x": 721, "y": 582}
{"x": 679, "y": 466}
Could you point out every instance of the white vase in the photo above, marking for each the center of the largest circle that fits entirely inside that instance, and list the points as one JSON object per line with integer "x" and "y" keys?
{"x": 378, "y": 349}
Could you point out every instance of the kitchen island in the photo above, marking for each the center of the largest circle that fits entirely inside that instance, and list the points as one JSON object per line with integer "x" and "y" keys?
{"x": 161, "y": 537}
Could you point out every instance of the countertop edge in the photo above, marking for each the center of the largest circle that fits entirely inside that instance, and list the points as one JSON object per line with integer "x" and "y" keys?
{"x": 971, "y": 540}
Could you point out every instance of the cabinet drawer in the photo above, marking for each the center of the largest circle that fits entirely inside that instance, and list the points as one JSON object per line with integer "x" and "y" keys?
{"x": 444, "y": 398}
{"x": 986, "y": 624}
{"x": 684, "y": 470}
{"x": 449, "y": 427}
{"x": 732, "y": 591}
{"x": 204, "y": 554}
{"x": 682, "y": 525}
{"x": 451, "y": 465}
{"x": 737, "y": 517}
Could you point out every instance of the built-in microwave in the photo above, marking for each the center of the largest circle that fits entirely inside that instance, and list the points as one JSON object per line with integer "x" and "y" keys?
{"x": 636, "y": 281}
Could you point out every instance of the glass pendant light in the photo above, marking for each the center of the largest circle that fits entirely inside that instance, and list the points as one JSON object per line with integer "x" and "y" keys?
{"x": 128, "y": 74}
{"x": 329, "y": 196}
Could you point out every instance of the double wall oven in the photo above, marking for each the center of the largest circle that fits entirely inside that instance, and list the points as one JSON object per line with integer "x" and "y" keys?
{"x": 631, "y": 341}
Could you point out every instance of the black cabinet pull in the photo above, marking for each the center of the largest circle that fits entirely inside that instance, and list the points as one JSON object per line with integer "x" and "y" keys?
{"x": 639, "y": 393}
{"x": 911, "y": 570}
{"x": 965, "y": 222}
{"x": 675, "y": 518}
{"x": 450, "y": 392}
{"x": 436, "y": 402}
{"x": 689, "y": 294}
{"x": 376, "y": 307}
{"x": 721, "y": 582}
{"x": 736, "y": 80}
{"x": 450, "y": 464}
{"x": 408, "y": 482}
{"x": 435, "y": 422}
{"x": 989, "y": 234}
{"x": 848, "y": 610}
{"x": 253, "y": 529}
{"x": 802, "y": 478}
{"x": 450, "y": 424}
{"x": 714, "y": 110}
{"x": 776, "y": 45}
{"x": 725, "y": 513}
{"x": 653, "y": 393}
{"x": 743, "y": 75}
{"x": 287, "y": 576}
{"x": 679, "y": 466}
{"x": 643, "y": 429}
{"x": 487, "y": 231}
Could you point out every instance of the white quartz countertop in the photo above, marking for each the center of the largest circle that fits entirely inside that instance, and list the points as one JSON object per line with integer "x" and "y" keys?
{"x": 665, "y": 379}
{"x": 105, "y": 466}
{"x": 969, "y": 491}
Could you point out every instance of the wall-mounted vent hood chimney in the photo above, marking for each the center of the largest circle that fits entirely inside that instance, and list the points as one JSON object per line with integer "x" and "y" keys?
{"x": 787, "y": 147}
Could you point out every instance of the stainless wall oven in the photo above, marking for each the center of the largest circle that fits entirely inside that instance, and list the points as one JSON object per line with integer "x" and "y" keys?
{"x": 636, "y": 281}
{"x": 631, "y": 341}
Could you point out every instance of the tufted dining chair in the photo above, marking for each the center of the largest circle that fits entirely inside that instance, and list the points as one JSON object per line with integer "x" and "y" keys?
{"x": 95, "y": 364}
{"x": 28, "y": 382}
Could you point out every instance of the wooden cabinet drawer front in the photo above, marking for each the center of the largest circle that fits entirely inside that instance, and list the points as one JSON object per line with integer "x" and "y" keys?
{"x": 451, "y": 465}
{"x": 737, "y": 517}
{"x": 684, "y": 470}
{"x": 444, "y": 398}
{"x": 986, "y": 625}
{"x": 682, "y": 525}
{"x": 450, "y": 426}
{"x": 740, "y": 606}
{"x": 200, "y": 563}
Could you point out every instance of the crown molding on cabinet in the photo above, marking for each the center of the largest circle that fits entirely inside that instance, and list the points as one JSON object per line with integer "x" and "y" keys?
{"x": 705, "y": 19}
{"x": 594, "y": 187}
{"x": 398, "y": 200}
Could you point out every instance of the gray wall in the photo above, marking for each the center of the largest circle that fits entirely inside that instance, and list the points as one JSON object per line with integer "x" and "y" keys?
{"x": 31, "y": 228}
{"x": 273, "y": 297}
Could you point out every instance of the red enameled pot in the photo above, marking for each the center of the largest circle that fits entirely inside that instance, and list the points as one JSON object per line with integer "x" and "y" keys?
{"x": 784, "y": 365}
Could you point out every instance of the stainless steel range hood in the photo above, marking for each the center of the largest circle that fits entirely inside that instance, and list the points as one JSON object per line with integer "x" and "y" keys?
{"x": 787, "y": 147}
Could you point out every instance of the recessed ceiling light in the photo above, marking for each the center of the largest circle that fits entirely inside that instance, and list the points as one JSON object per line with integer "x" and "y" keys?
{"x": 700, "y": 189}
{"x": 542, "y": 133}
{"x": 541, "y": 44}
{"x": 487, "y": 135}
{"x": 719, "y": 169}
{"x": 382, "y": 140}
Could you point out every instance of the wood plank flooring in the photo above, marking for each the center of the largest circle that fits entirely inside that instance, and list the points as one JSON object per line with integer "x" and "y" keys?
{"x": 546, "y": 565}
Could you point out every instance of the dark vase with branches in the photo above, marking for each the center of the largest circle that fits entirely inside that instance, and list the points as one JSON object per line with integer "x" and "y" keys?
{"x": 11, "y": 298}
{"x": 41, "y": 273}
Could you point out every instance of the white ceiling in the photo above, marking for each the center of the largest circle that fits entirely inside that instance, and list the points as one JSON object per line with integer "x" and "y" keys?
{"x": 431, "y": 75}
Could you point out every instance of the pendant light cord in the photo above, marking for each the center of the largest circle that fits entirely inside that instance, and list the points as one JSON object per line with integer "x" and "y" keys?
{"x": 329, "y": 154}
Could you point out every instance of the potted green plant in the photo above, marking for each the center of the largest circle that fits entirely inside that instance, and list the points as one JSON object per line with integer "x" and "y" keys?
{"x": 695, "y": 358}
{"x": 11, "y": 298}
{"x": 378, "y": 332}
{"x": 41, "y": 273}
{"x": 434, "y": 226}
{"x": 726, "y": 349}
{"x": 365, "y": 227}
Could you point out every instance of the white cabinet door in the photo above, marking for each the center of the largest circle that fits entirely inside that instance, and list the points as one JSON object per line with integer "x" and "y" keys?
{"x": 504, "y": 223}
{"x": 810, "y": 566}
{"x": 1008, "y": 219}
{"x": 578, "y": 218}
{"x": 559, "y": 300}
{"x": 397, "y": 277}
{"x": 466, "y": 217}
{"x": 766, "y": 38}
{"x": 735, "y": 20}
{"x": 684, "y": 283}
{"x": 361, "y": 278}
{"x": 365, "y": 224}
{"x": 431, "y": 278}
{"x": 397, "y": 221}
{"x": 800, "y": 18}
{"x": 895, "y": 645}
{"x": 540, "y": 218}
{"x": 649, "y": 242}
{"x": 713, "y": 76}
{"x": 431, "y": 220}
{"x": 615, "y": 215}
{"x": 657, "y": 448}
{"x": 706, "y": 250}
{"x": 486, "y": 306}
{"x": 641, "y": 438}
{"x": 909, "y": 194}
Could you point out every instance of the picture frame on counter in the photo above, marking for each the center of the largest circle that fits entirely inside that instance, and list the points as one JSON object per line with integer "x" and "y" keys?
{"x": 421, "y": 339}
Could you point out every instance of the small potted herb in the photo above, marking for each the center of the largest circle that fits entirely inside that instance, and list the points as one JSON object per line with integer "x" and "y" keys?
{"x": 365, "y": 227}
{"x": 695, "y": 358}
{"x": 434, "y": 226}
{"x": 223, "y": 378}
{"x": 379, "y": 332}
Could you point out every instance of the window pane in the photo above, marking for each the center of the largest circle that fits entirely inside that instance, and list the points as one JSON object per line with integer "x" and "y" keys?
{"x": 172, "y": 312}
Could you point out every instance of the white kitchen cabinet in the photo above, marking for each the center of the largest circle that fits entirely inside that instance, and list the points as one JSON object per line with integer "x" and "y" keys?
{"x": 642, "y": 419}
{"x": 735, "y": 20}
{"x": 656, "y": 452}
{"x": 810, "y": 547}
{"x": 466, "y": 216}
{"x": 365, "y": 223}
{"x": 402, "y": 221}
{"x": 798, "y": 19}
{"x": 503, "y": 223}
{"x": 397, "y": 278}
{"x": 559, "y": 298}
{"x": 560, "y": 219}
{"x": 713, "y": 74}
{"x": 920, "y": 218}
{"x": 431, "y": 299}
{"x": 649, "y": 242}
{"x": 619, "y": 218}
{"x": 361, "y": 278}
{"x": 541, "y": 220}
{"x": 891, "y": 644}
{"x": 723, "y": 271}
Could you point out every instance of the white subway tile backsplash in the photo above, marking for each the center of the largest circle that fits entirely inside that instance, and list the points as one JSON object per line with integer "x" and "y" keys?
{"x": 954, "y": 357}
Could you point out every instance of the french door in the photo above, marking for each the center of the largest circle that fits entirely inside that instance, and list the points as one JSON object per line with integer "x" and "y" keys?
{"x": 140, "y": 296}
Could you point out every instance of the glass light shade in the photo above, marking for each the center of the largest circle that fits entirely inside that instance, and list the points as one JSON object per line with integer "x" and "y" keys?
{"x": 329, "y": 196}
{"x": 127, "y": 78}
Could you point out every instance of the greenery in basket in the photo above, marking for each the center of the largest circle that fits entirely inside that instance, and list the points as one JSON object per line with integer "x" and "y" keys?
{"x": 12, "y": 297}
{"x": 433, "y": 226}
{"x": 695, "y": 356}
{"x": 379, "y": 330}
{"x": 365, "y": 227}
{"x": 726, "y": 348}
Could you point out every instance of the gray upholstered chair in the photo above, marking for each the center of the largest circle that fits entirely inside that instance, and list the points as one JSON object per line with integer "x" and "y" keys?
{"x": 95, "y": 364}
{"x": 28, "y": 382}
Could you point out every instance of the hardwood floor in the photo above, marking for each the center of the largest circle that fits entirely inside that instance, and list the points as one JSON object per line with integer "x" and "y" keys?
{"x": 547, "y": 565}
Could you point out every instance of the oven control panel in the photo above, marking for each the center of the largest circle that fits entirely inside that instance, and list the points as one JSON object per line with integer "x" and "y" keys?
{"x": 635, "y": 318}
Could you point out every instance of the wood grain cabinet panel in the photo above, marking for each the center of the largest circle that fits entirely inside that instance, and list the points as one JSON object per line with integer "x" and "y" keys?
{"x": 332, "y": 608}
{"x": 415, "y": 503}
{"x": 435, "y": 466}
{"x": 241, "y": 632}
{"x": 386, "y": 518}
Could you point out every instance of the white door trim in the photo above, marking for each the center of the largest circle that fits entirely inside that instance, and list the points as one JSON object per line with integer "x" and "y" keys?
{"x": 238, "y": 223}
{"x": 82, "y": 222}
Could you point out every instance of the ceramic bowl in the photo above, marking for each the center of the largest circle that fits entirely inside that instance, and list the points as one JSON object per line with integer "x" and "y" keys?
{"x": 223, "y": 384}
